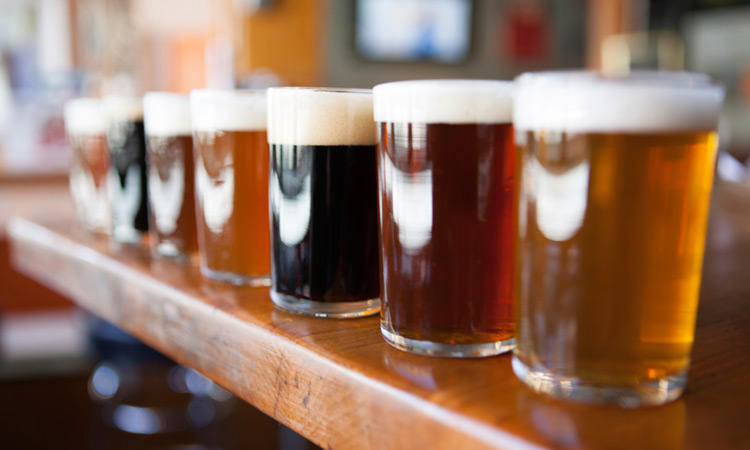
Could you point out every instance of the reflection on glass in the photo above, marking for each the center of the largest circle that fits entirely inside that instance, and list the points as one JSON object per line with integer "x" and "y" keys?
{"x": 290, "y": 195}
{"x": 411, "y": 197}
{"x": 215, "y": 191}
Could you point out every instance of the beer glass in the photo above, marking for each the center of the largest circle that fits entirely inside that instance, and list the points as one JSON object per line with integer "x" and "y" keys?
{"x": 86, "y": 127}
{"x": 231, "y": 185}
{"x": 446, "y": 176}
{"x": 128, "y": 192}
{"x": 169, "y": 145}
{"x": 615, "y": 175}
{"x": 324, "y": 207}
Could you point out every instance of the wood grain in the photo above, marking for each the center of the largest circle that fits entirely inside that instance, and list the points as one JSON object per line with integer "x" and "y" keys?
{"x": 339, "y": 384}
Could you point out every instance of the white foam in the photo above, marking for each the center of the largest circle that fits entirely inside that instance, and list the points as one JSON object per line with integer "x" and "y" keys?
{"x": 84, "y": 116}
{"x": 643, "y": 102}
{"x": 166, "y": 114}
{"x": 228, "y": 110}
{"x": 444, "y": 101}
{"x": 309, "y": 116}
{"x": 119, "y": 108}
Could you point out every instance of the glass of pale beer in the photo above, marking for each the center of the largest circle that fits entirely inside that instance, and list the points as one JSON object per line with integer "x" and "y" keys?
{"x": 231, "y": 185}
{"x": 86, "y": 127}
{"x": 446, "y": 180}
{"x": 615, "y": 177}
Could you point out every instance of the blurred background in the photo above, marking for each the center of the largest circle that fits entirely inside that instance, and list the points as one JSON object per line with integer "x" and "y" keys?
{"x": 87, "y": 384}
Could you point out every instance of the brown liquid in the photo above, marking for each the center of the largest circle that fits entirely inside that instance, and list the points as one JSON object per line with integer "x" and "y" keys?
{"x": 447, "y": 231}
{"x": 89, "y": 166}
{"x": 611, "y": 252}
{"x": 232, "y": 183}
{"x": 172, "y": 196}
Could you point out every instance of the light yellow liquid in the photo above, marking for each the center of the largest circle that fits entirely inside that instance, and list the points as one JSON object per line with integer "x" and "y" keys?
{"x": 611, "y": 239}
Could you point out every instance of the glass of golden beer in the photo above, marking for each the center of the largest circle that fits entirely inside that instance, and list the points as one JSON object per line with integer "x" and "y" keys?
{"x": 86, "y": 128}
{"x": 169, "y": 157}
{"x": 231, "y": 184}
{"x": 614, "y": 178}
{"x": 446, "y": 178}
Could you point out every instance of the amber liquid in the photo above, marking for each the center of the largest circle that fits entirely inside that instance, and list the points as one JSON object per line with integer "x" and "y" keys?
{"x": 447, "y": 231}
{"x": 232, "y": 207}
{"x": 611, "y": 239}
{"x": 172, "y": 196}
{"x": 88, "y": 181}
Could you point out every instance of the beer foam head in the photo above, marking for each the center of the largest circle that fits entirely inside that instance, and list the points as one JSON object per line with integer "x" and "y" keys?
{"x": 641, "y": 102}
{"x": 84, "y": 116}
{"x": 119, "y": 108}
{"x": 444, "y": 101}
{"x": 228, "y": 110}
{"x": 166, "y": 114}
{"x": 311, "y": 116}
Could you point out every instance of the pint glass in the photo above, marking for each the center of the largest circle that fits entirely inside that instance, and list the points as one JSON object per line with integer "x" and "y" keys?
{"x": 86, "y": 127}
{"x": 169, "y": 144}
{"x": 446, "y": 176}
{"x": 128, "y": 191}
{"x": 615, "y": 176}
{"x": 231, "y": 182}
{"x": 324, "y": 205}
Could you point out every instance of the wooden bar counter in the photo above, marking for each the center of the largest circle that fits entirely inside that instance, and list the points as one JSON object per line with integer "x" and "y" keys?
{"x": 339, "y": 384}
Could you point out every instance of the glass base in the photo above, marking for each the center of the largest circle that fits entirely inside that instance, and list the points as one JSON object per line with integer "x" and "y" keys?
{"x": 168, "y": 251}
{"x": 130, "y": 236}
{"x": 337, "y": 310}
{"x": 440, "y": 349}
{"x": 649, "y": 393}
{"x": 236, "y": 279}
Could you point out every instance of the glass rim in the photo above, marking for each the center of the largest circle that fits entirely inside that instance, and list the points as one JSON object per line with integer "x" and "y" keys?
{"x": 326, "y": 90}
{"x": 223, "y": 93}
{"x": 671, "y": 79}
{"x": 445, "y": 82}
{"x": 448, "y": 101}
{"x": 165, "y": 94}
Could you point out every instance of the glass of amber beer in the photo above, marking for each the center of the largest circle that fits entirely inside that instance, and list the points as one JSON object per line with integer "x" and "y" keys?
{"x": 615, "y": 176}
{"x": 324, "y": 202}
{"x": 231, "y": 184}
{"x": 446, "y": 175}
{"x": 169, "y": 145}
{"x": 86, "y": 127}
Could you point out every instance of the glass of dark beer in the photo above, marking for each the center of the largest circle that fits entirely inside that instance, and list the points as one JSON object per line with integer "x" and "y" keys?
{"x": 231, "y": 183}
{"x": 169, "y": 144}
{"x": 324, "y": 205}
{"x": 615, "y": 176}
{"x": 85, "y": 126}
{"x": 446, "y": 161}
{"x": 128, "y": 191}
